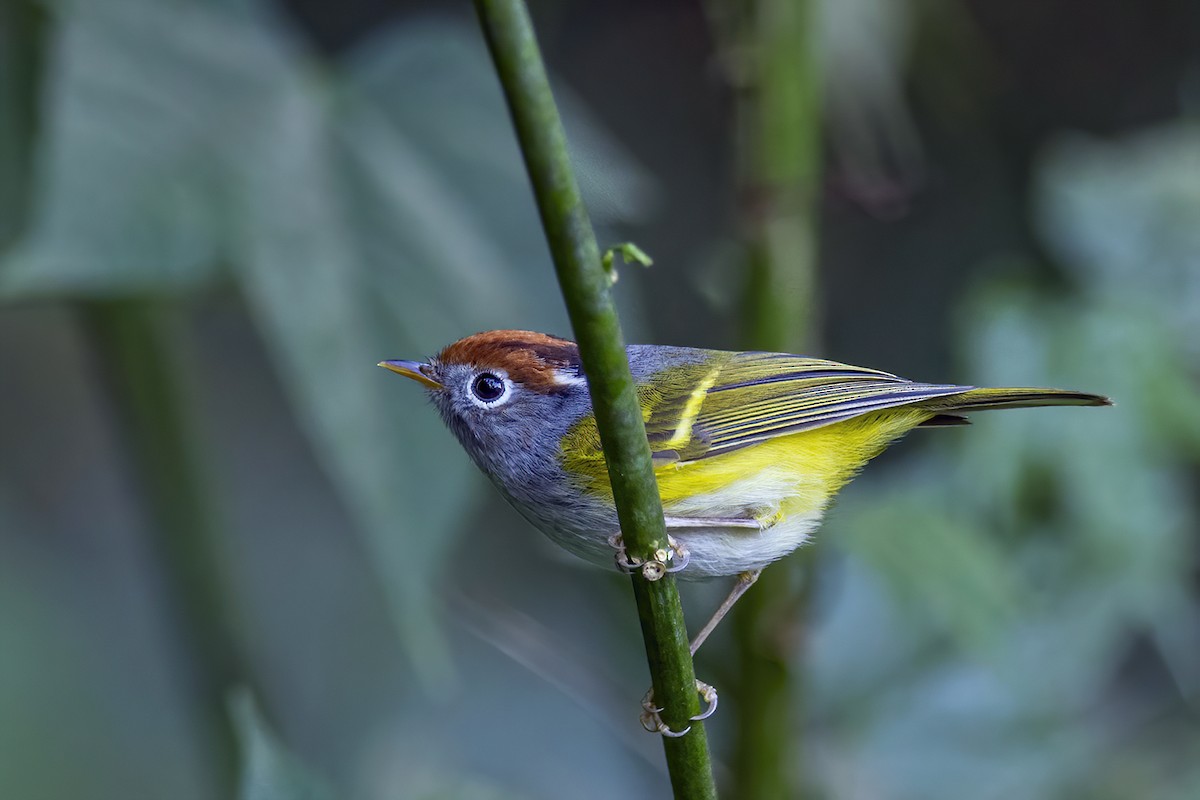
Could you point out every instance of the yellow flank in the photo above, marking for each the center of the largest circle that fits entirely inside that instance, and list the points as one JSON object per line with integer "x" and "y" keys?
{"x": 692, "y": 410}
{"x": 775, "y": 478}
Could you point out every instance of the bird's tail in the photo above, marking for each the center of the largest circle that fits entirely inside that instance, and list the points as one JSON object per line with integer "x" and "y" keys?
{"x": 987, "y": 399}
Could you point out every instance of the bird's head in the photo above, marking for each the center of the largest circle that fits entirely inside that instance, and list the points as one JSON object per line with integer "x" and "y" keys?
{"x": 504, "y": 391}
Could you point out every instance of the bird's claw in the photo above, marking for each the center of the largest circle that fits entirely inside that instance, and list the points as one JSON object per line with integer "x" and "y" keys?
{"x": 673, "y": 558}
{"x": 626, "y": 563}
{"x": 709, "y": 694}
{"x": 653, "y": 723}
{"x": 678, "y": 551}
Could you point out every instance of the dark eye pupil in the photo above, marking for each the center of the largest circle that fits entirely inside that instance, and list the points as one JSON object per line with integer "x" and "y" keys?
{"x": 487, "y": 387}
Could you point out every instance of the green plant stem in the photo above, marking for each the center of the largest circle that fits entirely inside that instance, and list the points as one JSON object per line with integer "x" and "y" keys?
{"x": 586, "y": 290}
{"x": 24, "y": 29}
{"x": 141, "y": 381}
{"x": 779, "y": 116}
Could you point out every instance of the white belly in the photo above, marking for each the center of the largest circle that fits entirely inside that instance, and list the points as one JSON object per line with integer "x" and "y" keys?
{"x": 727, "y": 551}
{"x": 714, "y": 550}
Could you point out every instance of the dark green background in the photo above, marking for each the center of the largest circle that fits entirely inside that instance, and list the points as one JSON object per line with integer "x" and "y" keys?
{"x": 266, "y": 199}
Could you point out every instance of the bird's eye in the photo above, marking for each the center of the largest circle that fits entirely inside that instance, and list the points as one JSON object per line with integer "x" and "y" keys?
{"x": 488, "y": 387}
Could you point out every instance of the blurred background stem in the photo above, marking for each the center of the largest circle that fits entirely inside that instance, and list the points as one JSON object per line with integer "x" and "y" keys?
{"x": 771, "y": 47}
{"x": 138, "y": 375}
{"x": 23, "y": 28}
{"x": 130, "y": 338}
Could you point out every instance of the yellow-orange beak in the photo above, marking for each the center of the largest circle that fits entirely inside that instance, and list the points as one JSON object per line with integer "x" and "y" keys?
{"x": 411, "y": 369}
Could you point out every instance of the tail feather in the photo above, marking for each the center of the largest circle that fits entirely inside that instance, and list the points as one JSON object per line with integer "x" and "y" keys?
{"x": 945, "y": 421}
{"x": 987, "y": 399}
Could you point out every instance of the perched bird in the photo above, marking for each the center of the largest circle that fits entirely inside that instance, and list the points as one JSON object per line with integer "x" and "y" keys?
{"x": 748, "y": 447}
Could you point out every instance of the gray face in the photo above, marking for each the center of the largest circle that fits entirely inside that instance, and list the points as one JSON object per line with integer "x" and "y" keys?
{"x": 510, "y": 431}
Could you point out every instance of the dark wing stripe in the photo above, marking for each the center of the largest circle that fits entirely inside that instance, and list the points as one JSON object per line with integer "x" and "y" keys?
{"x": 759, "y": 396}
{"x": 822, "y": 415}
{"x": 754, "y": 372}
{"x": 814, "y": 375}
{"x": 798, "y": 398}
{"x": 744, "y": 441}
{"x": 831, "y": 397}
{"x": 780, "y": 424}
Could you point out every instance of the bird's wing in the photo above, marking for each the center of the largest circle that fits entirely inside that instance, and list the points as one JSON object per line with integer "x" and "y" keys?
{"x": 738, "y": 399}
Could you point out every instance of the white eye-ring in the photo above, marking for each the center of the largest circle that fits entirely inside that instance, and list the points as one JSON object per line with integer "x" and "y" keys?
{"x": 488, "y": 389}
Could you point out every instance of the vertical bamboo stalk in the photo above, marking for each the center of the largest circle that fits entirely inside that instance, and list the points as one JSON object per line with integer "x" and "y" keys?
{"x": 23, "y": 38}
{"x": 138, "y": 376}
{"x": 586, "y": 291}
{"x": 147, "y": 401}
{"x": 779, "y": 121}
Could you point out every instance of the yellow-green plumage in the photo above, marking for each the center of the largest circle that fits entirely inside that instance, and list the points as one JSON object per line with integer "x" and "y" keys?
{"x": 771, "y": 438}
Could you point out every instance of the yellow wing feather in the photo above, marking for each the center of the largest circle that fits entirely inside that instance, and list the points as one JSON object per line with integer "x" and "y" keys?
{"x": 749, "y": 398}
{"x": 813, "y": 424}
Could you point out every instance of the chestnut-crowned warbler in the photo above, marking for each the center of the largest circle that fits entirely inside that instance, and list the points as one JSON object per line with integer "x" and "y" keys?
{"x": 748, "y": 447}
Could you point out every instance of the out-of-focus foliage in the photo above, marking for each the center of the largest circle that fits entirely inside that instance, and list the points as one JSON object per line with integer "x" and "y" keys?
{"x": 269, "y": 771}
{"x": 185, "y": 138}
{"x": 1007, "y": 610}
{"x": 1097, "y": 547}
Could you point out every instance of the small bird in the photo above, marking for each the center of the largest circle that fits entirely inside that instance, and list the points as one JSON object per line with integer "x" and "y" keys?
{"x": 748, "y": 447}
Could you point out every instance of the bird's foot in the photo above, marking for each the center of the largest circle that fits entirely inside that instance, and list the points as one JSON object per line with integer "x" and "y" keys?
{"x": 625, "y": 562}
{"x": 653, "y": 723}
{"x": 679, "y": 555}
{"x": 670, "y": 559}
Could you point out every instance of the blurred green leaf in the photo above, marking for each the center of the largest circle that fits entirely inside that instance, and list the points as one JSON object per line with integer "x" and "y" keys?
{"x": 143, "y": 118}
{"x": 933, "y": 558}
{"x": 359, "y": 226}
{"x": 269, "y": 771}
{"x": 72, "y": 690}
{"x": 1097, "y": 506}
{"x": 385, "y": 255}
{"x": 327, "y": 327}
{"x": 406, "y": 71}
{"x": 1123, "y": 216}
{"x": 1120, "y": 499}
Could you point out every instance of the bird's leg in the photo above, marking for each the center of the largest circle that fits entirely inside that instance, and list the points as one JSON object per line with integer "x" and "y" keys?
{"x": 744, "y": 581}
{"x": 650, "y": 718}
{"x": 654, "y": 569}
{"x": 712, "y": 522}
